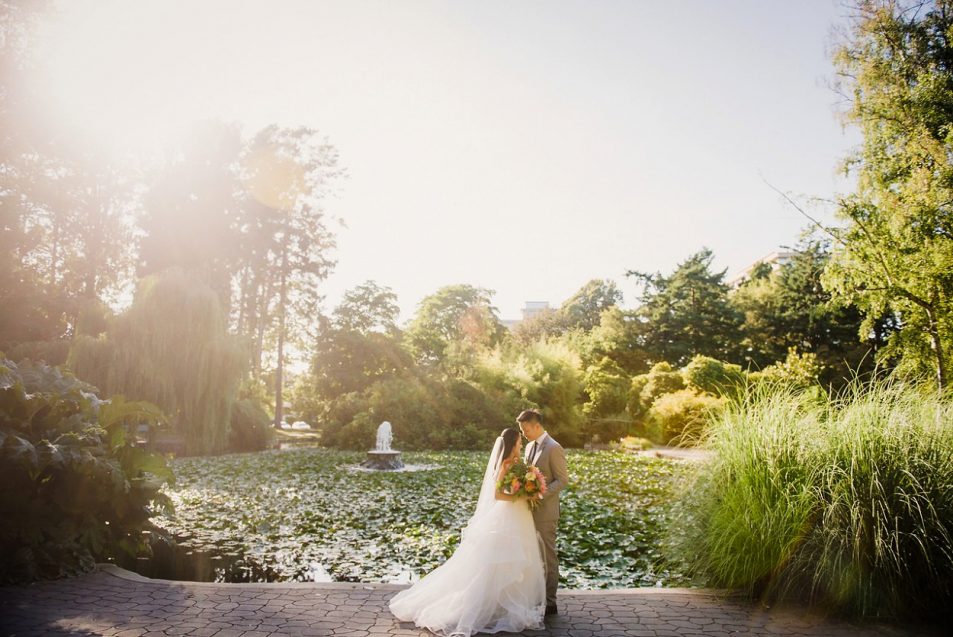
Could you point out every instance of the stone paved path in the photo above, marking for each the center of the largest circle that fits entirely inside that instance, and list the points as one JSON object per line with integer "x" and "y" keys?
{"x": 118, "y": 603}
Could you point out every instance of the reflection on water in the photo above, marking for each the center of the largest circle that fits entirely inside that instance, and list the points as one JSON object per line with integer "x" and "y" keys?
{"x": 179, "y": 561}
{"x": 407, "y": 468}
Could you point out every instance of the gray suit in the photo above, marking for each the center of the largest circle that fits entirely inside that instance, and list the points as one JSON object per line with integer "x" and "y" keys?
{"x": 548, "y": 455}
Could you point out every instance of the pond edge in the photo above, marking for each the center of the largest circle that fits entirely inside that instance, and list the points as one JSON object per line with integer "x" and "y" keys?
{"x": 121, "y": 573}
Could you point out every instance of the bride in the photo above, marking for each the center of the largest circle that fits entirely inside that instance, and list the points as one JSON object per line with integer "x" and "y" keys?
{"x": 494, "y": 581}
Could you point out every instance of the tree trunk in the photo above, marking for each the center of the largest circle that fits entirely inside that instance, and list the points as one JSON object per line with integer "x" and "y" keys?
{"x": 279, "y": 367}
{"x": 937, "y": 344}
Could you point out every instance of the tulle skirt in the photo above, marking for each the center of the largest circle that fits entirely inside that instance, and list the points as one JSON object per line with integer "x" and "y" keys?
{"x": 494, "y": 581}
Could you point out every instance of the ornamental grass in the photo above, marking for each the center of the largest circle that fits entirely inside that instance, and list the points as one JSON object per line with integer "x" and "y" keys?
{"x": 843, "y": 502}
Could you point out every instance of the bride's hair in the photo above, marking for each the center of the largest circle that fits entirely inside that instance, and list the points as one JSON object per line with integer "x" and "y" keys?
{"x": 509, "y": 436}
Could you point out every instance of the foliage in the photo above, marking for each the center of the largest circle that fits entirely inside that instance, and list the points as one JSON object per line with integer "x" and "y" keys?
{"x": 689, "y": 312}
{"x": 347, "y": 361}
{"x": 53, "y": 352}
{"x": 799, "y": 371}
{"x": 74, "y": 487}
{"x": 425, "y": 414}
{"x": 320, "y": 518}
{"x": 895, "y": 255}
{"x": 64, "y": 235}
{"x": 661, "y": 379}
{"x": 548, "y": 323}
{"x": 453, "y": 324}
{"x": 789, "y": 307}
{"x": 714, "y": 377}
{"x": 170, "y": 348}
{"x": 250, "y": 426}
{"x": 366, "y": 308}
{"x": 634, "y": 406}
{"x": 681, "y": 417}
{"x": 545, "y": 375}
{"x": 188, "y": 213}
{"x": 584, "y": 308}
{"x": 619, "y": 336}
{"x": 607, "y": 388}
{"x": 844, "y": 501}
{"x": 634, "y": 443}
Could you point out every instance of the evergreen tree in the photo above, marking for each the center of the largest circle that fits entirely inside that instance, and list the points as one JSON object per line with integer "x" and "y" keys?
{"x": 688, "y": 313}
{"x": 789, "y": 308}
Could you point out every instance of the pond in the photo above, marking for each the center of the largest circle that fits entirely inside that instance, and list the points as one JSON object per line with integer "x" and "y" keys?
{"x": 306, "y": 514}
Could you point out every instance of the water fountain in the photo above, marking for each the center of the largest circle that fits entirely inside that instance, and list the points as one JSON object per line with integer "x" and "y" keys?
{"x": 382, "y": 457}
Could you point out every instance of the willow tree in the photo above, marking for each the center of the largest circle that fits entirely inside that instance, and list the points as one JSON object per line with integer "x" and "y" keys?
{"x": 895, "y": 254}
{"x": 171, "y": 348}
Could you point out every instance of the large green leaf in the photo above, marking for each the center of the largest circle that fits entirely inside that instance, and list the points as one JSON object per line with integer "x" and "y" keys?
{"x": 19, "y": 452}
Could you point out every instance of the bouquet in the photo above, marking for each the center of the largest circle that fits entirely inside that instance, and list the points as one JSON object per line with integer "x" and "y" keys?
{"x": 523, "y": 481}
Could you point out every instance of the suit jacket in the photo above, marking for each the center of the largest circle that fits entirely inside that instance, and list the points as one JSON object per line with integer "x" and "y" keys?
{"x": 551, "y": 460}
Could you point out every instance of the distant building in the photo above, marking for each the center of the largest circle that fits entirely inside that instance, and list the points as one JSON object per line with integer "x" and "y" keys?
{"x": 775, "y": 260}
{"x": 531, "y": 309}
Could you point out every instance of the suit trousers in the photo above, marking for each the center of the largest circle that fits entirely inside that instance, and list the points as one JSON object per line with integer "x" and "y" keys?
{"x": 547, "y": 532}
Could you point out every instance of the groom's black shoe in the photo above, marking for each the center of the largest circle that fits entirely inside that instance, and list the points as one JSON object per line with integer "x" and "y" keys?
{"x": 551, "y": 610}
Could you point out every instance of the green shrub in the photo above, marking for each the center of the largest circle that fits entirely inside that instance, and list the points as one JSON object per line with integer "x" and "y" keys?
{"x": 798, "y": 371}
{"x": 634, "y": 406}
{"x": 662, "y": 379}
{"x": 74, "y": 487}
{"x": 607, "y": 387}
{"x": 633, "y": 443}
{"x": 714, "y": 377}
{"x": 250, "y": 426}
{"x": 50, "y": 352}
{"x": 424, "y": 413}
{"x": 845, "y": 502}
{"x": 545, "y": 375}
{"x": 681, "y": 417}
{"x": 645, "y": 389}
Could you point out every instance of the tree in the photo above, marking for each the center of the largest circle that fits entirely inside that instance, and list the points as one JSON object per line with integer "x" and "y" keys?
{"x": 688, "y": 313}
{"x": 546, "y": 375}
{"x": 584, "y": 308}
{"x": 288, "y": 171}
{"x": 191, "y": 210}
{"x": 65, "y": 239}
{"x": 619, "y": 336}
{"x": 789, "y": 308}
{"x": 607, "y": 388}
{"x": 171, "y": 348}
{"x": 895, "y": 253}
{"x": 547, "y": 323}
{"x": 368, "y": 307}
{"x": 452, "y": 324}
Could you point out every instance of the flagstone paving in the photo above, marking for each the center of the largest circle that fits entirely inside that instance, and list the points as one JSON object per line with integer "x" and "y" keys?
{"x": 118, "y": 603}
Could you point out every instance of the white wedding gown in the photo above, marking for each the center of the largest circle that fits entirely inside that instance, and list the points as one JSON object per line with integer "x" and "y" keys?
{"x": 493, "y": 582}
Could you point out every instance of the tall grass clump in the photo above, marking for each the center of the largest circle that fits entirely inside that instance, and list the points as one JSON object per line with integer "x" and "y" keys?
{"x": 845, "y": 502}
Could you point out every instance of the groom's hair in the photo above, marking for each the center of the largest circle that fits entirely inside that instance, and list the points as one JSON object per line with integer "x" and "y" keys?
{"x": 530, "y": 415}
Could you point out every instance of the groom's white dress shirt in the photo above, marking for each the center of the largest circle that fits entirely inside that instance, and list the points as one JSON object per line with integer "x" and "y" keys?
{"x": 537, "y": 446}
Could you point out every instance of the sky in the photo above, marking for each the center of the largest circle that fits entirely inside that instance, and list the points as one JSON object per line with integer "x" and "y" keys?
{"x": 525, "y": 147}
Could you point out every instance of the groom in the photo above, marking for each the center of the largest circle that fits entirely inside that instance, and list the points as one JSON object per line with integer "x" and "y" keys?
{"x": 547, "y": 454}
